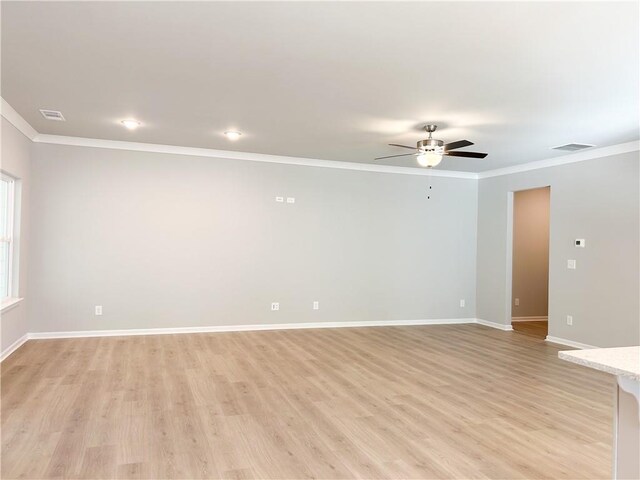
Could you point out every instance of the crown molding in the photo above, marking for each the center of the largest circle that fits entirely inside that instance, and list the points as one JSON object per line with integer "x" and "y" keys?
{"x": 311, "y": 162}
{"x": 247, "y": 156}
{"x": 15, "y": 119}
{"x": 25, "y": 128}
{"x": 564, "y": 159}
{"x": 21, "y": 124}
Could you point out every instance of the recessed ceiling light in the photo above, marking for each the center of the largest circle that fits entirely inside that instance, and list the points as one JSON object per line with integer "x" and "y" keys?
{"x": 232, "y": 134}
{"x": 131, "y": 124}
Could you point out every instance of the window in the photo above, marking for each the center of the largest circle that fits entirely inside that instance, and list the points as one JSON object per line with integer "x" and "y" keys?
{"x": 7, "y": 206}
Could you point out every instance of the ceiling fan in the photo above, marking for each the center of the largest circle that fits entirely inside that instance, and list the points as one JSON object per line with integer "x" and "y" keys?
{"x": 429, "y": 152}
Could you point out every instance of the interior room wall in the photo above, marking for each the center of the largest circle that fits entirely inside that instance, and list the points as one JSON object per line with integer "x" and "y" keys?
{"x": 597, "y": 200}
{"x": 163, "y": 241}
{"x": 530, "y": 284}
{"x": 16, "y": 161}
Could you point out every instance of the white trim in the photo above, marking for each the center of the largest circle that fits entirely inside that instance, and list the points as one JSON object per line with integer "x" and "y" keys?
{"x": 14, "y": 346}
{"x": 23, "y": 126}
{"x": 10, "y": 237}
{"x": 509, "y": 262}
{"x": 311, "y": 162}
{"x": 15, "y": 119}
{"x": 564, "y": 159}
{"x": 499, "y": 326}
{"x": 530, "y": 319}
{"x": 246, "y": 328}
{"x": 253, "y": 157}
{"x": 568, "y": 343}
{"x": 9, "y": 303}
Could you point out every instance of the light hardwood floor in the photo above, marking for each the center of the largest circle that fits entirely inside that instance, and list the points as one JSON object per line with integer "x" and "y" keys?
{"x": 538, "y": 329}
{"x": 456, "y": 401}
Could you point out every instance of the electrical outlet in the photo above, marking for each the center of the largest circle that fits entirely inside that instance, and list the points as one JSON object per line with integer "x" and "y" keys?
{"x": 316, "y": 305}
{"x": 291, "y": 200}
{"x": 275, "y": 306}
{"x": 569, "y": 320}
{"x": 462, "y": 302}
{"x": 98, "y": 309}
{"x": 517, "y": 302}
{"x": 571, "y": 264}
{"x": 279, "y": 199}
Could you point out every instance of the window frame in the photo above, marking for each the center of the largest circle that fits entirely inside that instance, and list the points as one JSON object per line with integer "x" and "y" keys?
{"x": 10, "y": 236}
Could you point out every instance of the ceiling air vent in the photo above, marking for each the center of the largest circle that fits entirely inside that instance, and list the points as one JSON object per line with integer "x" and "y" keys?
{"x": 572, "y": 147}
{"x": 52, "y": 115}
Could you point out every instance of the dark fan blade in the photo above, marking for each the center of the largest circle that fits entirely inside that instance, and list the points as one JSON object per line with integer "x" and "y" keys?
{"x": 466, "y": 154}
{"x": 403, "y": 146}
{"x": 458, "y": 144}
{"x": 391, "y": 156}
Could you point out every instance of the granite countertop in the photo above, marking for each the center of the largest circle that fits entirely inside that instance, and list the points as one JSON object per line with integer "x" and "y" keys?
{"x": 623, "y": 361}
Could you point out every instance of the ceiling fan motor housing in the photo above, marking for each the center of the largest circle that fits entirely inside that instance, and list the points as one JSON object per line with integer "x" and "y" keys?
{"x": 431, "y": 145}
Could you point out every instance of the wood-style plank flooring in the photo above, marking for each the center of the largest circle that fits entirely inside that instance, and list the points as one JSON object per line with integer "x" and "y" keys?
{"x": 454, "y": 401}
{"x": 537, "y": 329}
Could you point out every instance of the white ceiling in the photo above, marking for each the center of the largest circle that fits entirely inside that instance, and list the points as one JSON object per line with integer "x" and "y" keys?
{"x": 333, "y": 81}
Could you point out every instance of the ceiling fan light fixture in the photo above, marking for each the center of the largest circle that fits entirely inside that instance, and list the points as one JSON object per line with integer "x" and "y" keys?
{"x": 429, "y": 159}
{"x": 431, "y": 150}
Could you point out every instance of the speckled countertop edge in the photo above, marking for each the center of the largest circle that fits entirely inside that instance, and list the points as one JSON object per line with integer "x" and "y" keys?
{"x": 624, "y": 361}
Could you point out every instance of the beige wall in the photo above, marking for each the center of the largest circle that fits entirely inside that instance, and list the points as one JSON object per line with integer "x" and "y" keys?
{"x": 165, "y": 240}
{"x": 98, "y": 213}
{"x": 597, "y": 200}
{"x": 530, "y": 253}
{"x": 16, "y": 161}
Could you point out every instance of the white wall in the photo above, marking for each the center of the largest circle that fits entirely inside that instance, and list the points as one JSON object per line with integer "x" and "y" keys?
{"x": 16, "y": 162}
{"x": 597, "y": 200}
{"x": 174, "y": 241}
{"x": 154, "y": 239}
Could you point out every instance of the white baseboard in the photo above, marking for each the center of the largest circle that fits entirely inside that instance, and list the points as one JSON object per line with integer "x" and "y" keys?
{"x": 258, "y": 327}
{"x": 14, "y": 346}
{"x": 568, "y": 343}
{"x": 529, "y": 319}
{"x": 499, "y": 326}
{"x": 246, "y": 328}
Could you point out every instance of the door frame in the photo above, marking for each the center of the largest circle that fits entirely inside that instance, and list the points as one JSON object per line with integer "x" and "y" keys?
{"x": 509, "y": 249}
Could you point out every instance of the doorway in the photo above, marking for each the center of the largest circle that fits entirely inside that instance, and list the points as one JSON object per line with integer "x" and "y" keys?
{"x": 530, "y": 267}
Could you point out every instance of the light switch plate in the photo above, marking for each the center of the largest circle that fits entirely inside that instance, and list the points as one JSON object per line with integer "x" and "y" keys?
{"x": 279, "y": 199}
{"x": 291, "y": 200}
{"x": 580, "y": 242}
{"x": 571, "y": 264}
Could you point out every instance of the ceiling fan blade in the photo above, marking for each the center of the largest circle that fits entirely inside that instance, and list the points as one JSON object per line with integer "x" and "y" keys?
{"x": 403, "y": 146}
{"x": 458, "y": 144}
{"x": 466, "y": 154}
{"x": 391, "y": 156}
